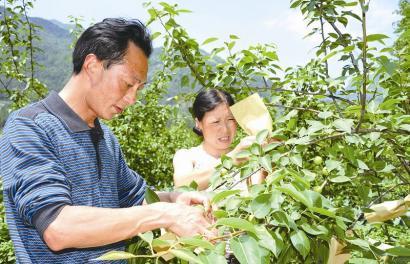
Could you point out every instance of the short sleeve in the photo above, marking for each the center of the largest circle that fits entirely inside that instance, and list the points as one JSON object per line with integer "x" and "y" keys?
{"x": 182, "y": 163}
{"x": 131, "y": 185}
{"x": 34, "y": 178}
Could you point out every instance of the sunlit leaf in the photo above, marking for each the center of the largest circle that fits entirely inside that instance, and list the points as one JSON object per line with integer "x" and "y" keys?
{"x": 261, "y": 136}
{"x": 186, "y": 255}
{"x": 362, "y": 165}
{"x": 237, "y": 223}
{"x": 246, "y": 249}
{"x": 222, "y": 195}
{"x": 209, "y": 40}
{"x": 344, "y": 125}
{"x": 301, "y": 242}
{"x": 147, "y": 237}
{"x": 151, "y": 196}
{"x": 197, "y": 242}
{"x": 116, "y": 255}
{"x": 269, "y": 240}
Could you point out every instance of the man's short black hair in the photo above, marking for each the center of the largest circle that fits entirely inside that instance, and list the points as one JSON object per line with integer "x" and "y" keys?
{"x": 108, "y": 40}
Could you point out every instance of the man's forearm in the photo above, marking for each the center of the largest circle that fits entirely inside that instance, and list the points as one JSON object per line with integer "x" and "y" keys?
{"x": 83, "y": 226}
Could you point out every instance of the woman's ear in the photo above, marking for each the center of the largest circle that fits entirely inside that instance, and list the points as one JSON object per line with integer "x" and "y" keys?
{"x": 198, "y": 124}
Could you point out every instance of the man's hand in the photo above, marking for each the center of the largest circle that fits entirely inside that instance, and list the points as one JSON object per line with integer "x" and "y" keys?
{"x": 191, "y": 198}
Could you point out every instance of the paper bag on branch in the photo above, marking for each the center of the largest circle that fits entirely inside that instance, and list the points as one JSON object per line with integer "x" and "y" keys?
{"x": 252, "y": 115}
{"x": 388, "y": 210}
{"x": 336, "y": 254}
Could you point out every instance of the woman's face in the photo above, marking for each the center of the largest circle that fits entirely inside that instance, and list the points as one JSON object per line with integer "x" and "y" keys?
{"x": 218, "y": 127}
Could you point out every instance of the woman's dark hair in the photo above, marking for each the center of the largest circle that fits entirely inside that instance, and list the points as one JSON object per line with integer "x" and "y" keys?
{"x": 206, "y": 101}
{"x": 108, "y": 40}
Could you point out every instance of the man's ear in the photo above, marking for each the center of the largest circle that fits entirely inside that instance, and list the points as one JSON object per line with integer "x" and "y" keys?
{"x": 92, "y": 66}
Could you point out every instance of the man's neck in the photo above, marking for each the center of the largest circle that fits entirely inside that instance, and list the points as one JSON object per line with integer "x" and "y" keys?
{"x": 74, "y": 94}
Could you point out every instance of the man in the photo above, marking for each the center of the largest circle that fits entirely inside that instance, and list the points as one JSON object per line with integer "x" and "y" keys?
{"x": 69, "y": 195}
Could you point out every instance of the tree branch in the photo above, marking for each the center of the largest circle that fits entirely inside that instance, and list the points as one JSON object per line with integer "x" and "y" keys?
{"x": 364, "y": 62}
{"x": 182, "y": 51}
{"x": 30, "y": 46}
{"x": 11, "y": 45}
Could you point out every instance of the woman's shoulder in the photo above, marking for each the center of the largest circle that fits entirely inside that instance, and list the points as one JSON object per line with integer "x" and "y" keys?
{"x": 186, "y": 152}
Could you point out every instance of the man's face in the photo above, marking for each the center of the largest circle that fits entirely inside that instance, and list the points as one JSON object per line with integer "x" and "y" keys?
{"x": 115, "y": 88}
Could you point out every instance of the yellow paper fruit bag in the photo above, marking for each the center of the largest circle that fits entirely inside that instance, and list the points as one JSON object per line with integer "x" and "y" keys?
{"x": 252, "y": 115}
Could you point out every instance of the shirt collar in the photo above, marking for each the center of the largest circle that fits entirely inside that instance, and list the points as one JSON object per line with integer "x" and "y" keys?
{"x": 58, "y": 107}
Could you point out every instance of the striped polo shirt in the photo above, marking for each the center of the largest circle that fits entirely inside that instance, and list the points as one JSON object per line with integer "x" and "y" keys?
{"x": 50, "y": 158}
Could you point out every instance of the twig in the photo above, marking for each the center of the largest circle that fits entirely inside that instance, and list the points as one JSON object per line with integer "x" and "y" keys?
{"x": 322, "y": 31}
{"x": 237, "y": 70}
{"x": 9, "y": 38}
{"x": 361, "y": 216}
{"x": 236, "y": 233}
{"x": 364, "y": 62}
{"x": 183, "y": 54}
{"x": 297, "y": 108}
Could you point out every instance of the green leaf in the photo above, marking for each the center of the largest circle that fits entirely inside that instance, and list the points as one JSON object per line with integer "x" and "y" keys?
{"x": 332, "y": 164}
{"x": 340, "y": 179}
{"x": 151, "y": 196}
{"x": 276, "y": 199}
{"x": 362, "y": 261}
{"x": 323, "y": 211}
{"x": 261, "y": 205}
{"x": 343, "y": 125}
{"x": 233, "y": 36}
{"x": 155, "y": 35}
{"x": 376, "y": 37}
{"x": 295, "y": 194}
{"x": 213, "y": 258}
{"x": 269, "y": 241}
{"x": 328, "y": 56}
{"x": 185, "y": 81}
{"x": 246, "y": 249}
{"x": 116, "y": 255}
{"x": 261, "y": 136}
{"x": 325, "y": 114}
{"x": 314, "y": 230}
{"x": 147, "y": 237}
{"x": 266, "y": 163}
{"x": 280, "y": 218}
{"x": 227, "y": 162}
{"x": 399, "y": 251}
{"x": 348, "y": 49}
{"x": 237, "y": 223}
{"x": 222, "y": 195}
{"x": 362, "y": 165}
{"x": 243, "y": 154}
{"x": 359, "y": 242}
{"x": 374, "y": 136}
{"x": 405, "y": 127}
{"x": 209, "y": 40}
{"x": 197, "y": 243}
{"x": 315, "y": 126}
{"x": 186, "y": 255}
{"x": 297, "y": 160}
{"x": 271, "y": 146}
{"x": 301, "y": 242}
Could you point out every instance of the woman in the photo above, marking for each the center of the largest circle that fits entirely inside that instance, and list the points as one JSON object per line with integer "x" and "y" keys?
{"x": 216, "y": 124}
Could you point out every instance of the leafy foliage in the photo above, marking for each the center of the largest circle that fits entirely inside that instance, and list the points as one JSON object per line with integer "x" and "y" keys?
{"x": 344, "y": 141}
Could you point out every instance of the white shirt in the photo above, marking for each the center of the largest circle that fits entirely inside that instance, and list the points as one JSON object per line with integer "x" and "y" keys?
{"x": 196, "y": 158}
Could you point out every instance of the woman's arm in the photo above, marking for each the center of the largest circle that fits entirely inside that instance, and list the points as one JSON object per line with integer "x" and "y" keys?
{"x": 184, "y": 172}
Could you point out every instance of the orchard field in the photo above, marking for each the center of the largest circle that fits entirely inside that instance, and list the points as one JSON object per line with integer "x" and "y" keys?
{"x": 344, "y": 138}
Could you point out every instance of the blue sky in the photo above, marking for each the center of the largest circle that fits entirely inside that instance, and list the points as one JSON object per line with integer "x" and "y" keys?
{"x": 260, "y": 21}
